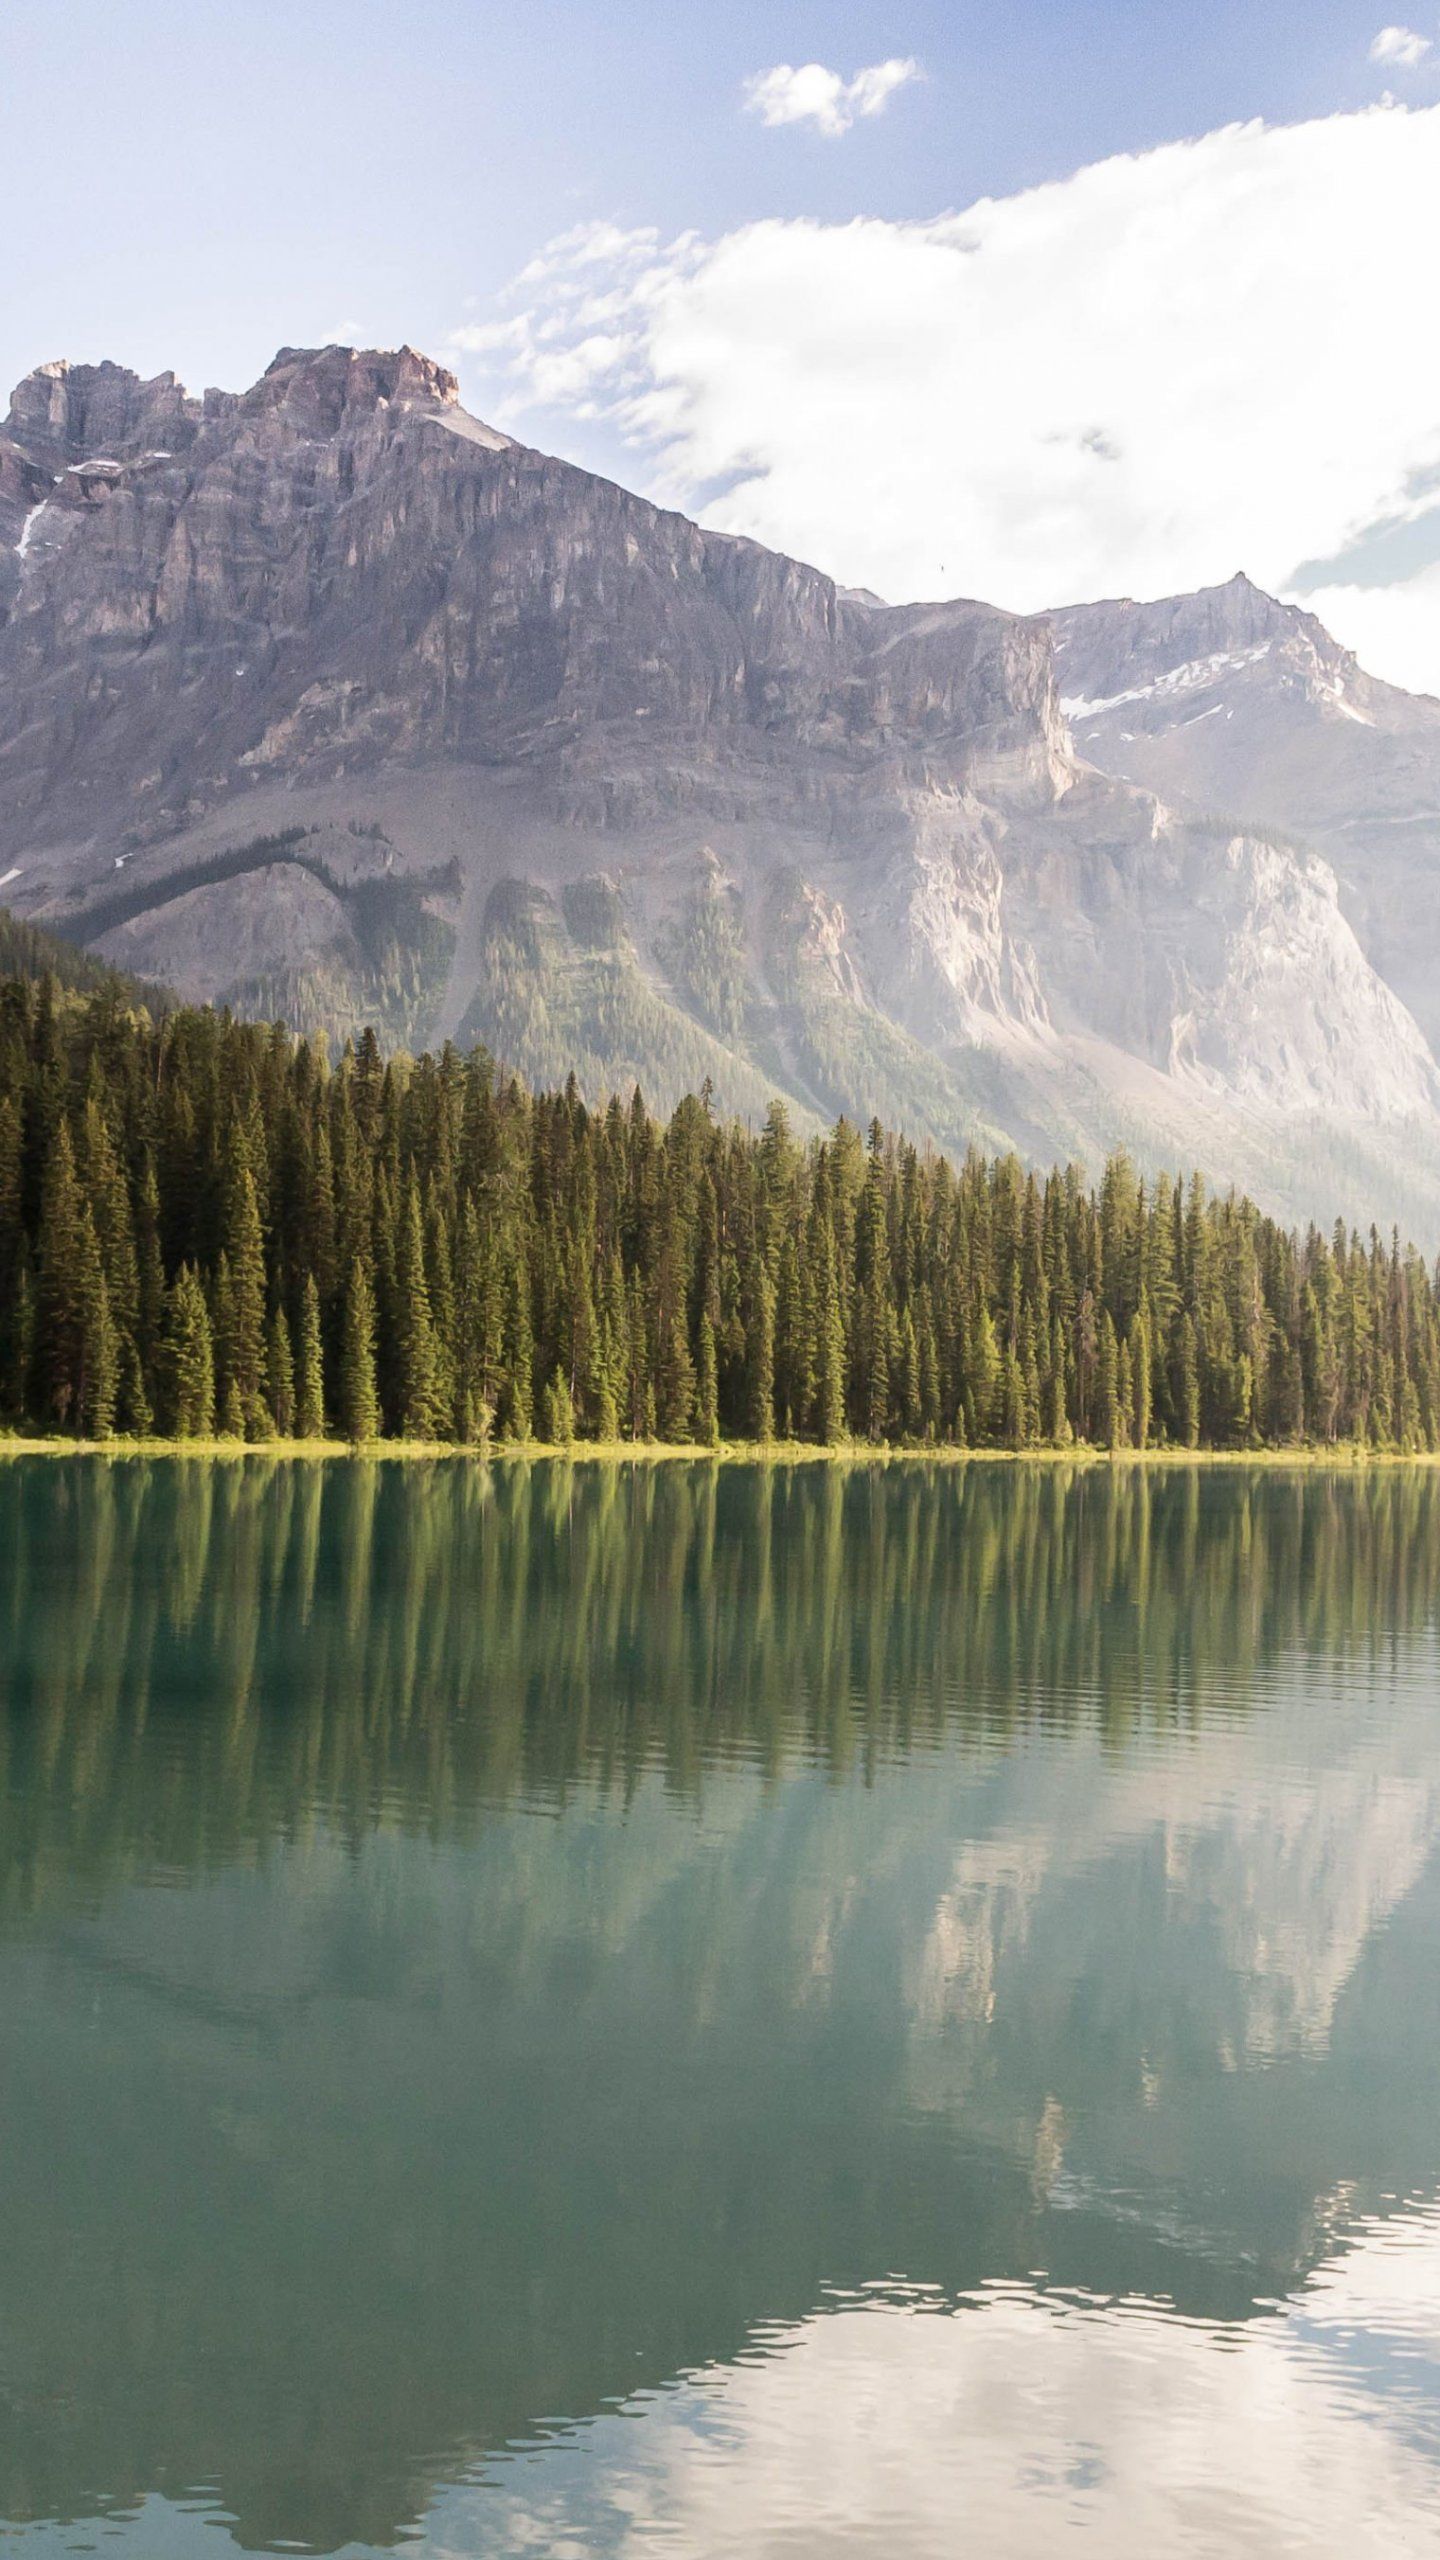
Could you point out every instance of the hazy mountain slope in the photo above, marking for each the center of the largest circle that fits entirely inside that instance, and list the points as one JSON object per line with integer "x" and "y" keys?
{"x": 326, "y": 697}
{"x": 1232, "y": 701}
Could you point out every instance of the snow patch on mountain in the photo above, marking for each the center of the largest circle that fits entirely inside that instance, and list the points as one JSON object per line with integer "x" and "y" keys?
{"x": 1190, "y": 678}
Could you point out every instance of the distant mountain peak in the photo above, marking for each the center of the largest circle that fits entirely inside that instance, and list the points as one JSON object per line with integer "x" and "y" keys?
{"x": 1115, "y": 654}
{"x": 64, "y": 414}
{"x": 333, "y": 379}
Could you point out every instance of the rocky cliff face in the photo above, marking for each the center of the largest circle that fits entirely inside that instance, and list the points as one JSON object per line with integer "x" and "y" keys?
{"x": 1230, "y": 700}
{"x": 328, "y": 697}
{"x": 68, "y": 415}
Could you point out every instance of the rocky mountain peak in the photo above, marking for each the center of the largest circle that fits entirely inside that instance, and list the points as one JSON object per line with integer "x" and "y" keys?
{"x": 324, "y": 385}
{"x": 1106, "y": 651}
{"x": 64, "y": 414}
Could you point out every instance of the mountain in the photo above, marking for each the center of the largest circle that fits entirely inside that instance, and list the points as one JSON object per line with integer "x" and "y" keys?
{"x": 1230, "y": 700}
{"x": 326, "y": 698}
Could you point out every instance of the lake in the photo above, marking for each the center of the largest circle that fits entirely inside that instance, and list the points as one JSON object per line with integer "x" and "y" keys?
{"x": 700, "y": 2010}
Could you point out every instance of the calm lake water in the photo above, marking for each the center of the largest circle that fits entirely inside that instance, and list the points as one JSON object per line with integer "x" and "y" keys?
{"x": 690, "y": 2011}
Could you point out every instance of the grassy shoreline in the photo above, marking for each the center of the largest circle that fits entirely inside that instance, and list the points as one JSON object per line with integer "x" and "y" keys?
{"x": 1343, "y": 1455}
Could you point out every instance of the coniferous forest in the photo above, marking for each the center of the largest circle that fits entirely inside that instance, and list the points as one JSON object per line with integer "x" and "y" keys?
{"x": 206, "y": 1227}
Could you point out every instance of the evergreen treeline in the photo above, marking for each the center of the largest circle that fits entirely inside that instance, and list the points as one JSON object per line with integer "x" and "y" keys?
{"x": 203, "y": 1226}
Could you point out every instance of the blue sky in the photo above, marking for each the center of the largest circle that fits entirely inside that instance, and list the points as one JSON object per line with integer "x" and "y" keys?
{"x": 194, "y": 184}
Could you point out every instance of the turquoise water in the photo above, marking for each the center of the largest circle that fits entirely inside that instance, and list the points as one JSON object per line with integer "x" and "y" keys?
{"x": 702, "y": 2011}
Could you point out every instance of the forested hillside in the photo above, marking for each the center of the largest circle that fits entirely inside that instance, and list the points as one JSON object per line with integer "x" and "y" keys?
{"x": 203, "y": 1226}
{"x": 27, "y": 951}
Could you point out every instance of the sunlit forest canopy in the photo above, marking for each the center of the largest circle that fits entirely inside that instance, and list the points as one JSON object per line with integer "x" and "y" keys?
{"x": 206, "y": 1225}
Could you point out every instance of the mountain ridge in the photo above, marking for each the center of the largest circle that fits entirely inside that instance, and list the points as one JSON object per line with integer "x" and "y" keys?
{"x": 558, "y": 768}
{"x": 1281, "y": 725}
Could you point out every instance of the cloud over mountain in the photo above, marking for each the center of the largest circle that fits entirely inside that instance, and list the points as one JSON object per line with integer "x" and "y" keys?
{"x": 1134, "y": 379}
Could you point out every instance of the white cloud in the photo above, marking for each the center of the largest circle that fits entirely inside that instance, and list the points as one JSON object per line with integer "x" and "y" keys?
{"x": 1400, "y": 46}
{"x": 1395, "y": 631}
{"x": 809, "y": 94}
{"x": 1134, "y": 380}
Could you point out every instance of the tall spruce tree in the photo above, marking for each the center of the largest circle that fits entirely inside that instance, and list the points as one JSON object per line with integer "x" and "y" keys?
{"x": 244, "y": 1248}
{"x": 707, "y": 1388}
{"x": 760, "y": 1399}
{"x": 419, "y": 1416}
{"x": 97, "y": 1384}
{"x": 357, "y": 1395}
{"x": 189, "y": 1361}
{"x": 280, "y": 1373}
{"x": 59, "y": 1349}
{"x": 310, "y": 1367}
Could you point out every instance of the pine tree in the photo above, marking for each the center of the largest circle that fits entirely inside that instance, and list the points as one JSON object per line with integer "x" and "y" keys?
{"x": 419, "y": 1401}
{"x": 357, "y": 1398}
{"x": 1124, "y": 1398}
{"x": 17, "y": 1343}
{"x": 1188, "y": 1385}
{"x": 444, "y": 1312}
{"x": 761, "y": 1395}
{"x": 983, "y": 1376}
{"x": 675, "y": 1385}
{"x": 98, "y": 1382}
{"x": 189, "y": 1359}
{"x": 929, "y": 1373}
{"x": 310, "y": 1367}
{"x": 1012, "y": 1400}
{"x": 1055, "y": 1422}
{"x": 222, "y": 1328}
{"x": 244, "y": 1251}
{"x": 280, "y": 1374}
{"x": 830, "y": 1347}
{"x": 1139, "y": 1348}
{"x": 603, "y": 1403}
{"x": 557, "y": 1424}
{"x": 1108, "y": 1417}
{"x": 909, "y": 1367}
{"x": 59, "y": 1318}
{"x": 517, "y": 1408}
{"x": 109, "y": 1203}
{"x": 611, "y": 1355}
{"x": 707, "y": 1391}
{"x": 14, "y": 1255}
{"x": 135, "y": 1414}
{"x": 874, "y": 1313}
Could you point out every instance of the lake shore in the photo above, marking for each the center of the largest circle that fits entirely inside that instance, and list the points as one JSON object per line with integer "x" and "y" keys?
{"x": 855, "y": 1453}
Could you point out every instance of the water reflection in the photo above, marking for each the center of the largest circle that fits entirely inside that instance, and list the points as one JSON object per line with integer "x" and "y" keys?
{"x": 1016, "y": 2420}
{"x": 645, "y": 1965}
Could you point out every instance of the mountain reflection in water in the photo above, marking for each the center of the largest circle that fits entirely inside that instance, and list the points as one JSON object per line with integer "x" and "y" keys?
{"x": 718, "y": 2010}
